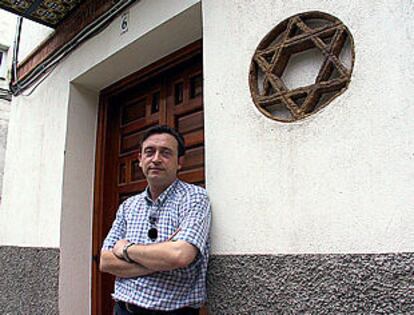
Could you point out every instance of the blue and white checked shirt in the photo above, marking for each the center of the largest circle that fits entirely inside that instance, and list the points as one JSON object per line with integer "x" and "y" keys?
{"x": 183, "y": 206}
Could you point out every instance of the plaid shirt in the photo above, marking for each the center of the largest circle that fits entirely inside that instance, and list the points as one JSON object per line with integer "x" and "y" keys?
{"x": 183, "y": 206}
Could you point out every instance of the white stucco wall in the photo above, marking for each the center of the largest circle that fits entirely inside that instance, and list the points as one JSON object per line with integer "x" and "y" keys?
{"x": 32, "y": 185}
{"x": 7, "y": 30}
{"x": 49, "y": 179}
{"x": 7, "y": 25}
{"x": 37, "y": 135}
{"x": 4, "y": 121}
{"x": 76, "y": 217}
{"x": 32, "y": 34}
{"x": 339, "y": 181}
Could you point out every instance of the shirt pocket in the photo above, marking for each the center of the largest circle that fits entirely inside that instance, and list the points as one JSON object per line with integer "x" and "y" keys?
{"x": 137, "y": 227}
{"x": 167, "y": 225}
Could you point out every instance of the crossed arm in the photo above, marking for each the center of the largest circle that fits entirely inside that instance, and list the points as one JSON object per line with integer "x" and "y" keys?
{"x": 147, "y": 259}
{"x": 118, "y": 267}
{"x": 164, "y": 256}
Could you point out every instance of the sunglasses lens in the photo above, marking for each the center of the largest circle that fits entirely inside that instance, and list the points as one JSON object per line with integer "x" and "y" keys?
{"x": 153, "y": 233}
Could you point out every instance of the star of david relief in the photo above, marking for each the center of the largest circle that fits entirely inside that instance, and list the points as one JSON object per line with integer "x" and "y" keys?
{"x": 297, "y": 35}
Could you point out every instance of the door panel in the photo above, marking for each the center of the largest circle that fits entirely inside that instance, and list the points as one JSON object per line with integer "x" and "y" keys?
{"x": 172, "y": 97}
{"x": 185, "y": 113}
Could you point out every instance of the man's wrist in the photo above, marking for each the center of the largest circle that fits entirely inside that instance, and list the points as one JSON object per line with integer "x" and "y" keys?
{"x": 125, "y": 255}
{"x": 117, "y": 255}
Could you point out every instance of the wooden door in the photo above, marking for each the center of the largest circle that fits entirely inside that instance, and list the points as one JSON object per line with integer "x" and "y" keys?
{"x": 168, "y": 92}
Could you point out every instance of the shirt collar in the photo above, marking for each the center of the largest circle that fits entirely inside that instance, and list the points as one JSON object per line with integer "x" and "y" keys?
{"x": 161, "y": 198}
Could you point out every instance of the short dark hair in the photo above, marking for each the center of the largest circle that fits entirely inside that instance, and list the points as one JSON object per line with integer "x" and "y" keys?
{"x": 159, "y": 129}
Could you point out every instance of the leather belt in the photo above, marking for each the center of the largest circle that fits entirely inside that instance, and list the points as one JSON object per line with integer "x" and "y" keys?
{"x": 135, "y": 309}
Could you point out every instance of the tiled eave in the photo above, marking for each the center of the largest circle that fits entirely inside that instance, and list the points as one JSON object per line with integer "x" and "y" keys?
{"x": 47, "y": 12}
{"x": 79, "y": 18}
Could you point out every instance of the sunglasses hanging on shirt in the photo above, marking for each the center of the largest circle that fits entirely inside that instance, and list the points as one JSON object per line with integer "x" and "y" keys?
{"x": 153, "y": 232}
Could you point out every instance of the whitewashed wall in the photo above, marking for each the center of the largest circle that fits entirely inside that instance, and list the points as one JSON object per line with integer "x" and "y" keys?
{"x": 33, "y": 35}
{"x": 48, "y": 186}
{"x": 341, "y": 181}
{"x": 35, "y": 157}
{"x": 7, "y": 25}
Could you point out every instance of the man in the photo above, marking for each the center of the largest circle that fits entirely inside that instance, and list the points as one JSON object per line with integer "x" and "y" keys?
{"x": 158, "y": 246}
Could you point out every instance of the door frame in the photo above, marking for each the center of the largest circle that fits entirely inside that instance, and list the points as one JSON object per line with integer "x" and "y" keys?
{"x": 130, "y": 81}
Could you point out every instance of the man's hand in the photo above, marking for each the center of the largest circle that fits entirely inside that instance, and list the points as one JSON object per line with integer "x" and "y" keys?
{"x": 119, "y": 248}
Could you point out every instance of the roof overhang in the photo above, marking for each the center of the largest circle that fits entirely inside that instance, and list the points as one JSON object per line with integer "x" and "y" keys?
{"x": 47, "y": 12}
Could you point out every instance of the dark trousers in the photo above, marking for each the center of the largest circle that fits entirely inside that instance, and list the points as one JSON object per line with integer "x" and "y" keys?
{"x": 122, "y": 308}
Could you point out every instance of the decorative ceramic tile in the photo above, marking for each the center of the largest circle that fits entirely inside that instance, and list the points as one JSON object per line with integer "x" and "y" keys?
{"x": 48, "y": 12}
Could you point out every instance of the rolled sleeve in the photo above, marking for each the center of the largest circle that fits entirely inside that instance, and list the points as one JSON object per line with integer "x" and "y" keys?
{"x": 117, "y": 231}
{"x": 195, "y": 227}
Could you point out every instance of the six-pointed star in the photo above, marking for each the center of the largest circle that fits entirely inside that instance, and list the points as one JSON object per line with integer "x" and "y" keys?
{"x": 297, "y": 37}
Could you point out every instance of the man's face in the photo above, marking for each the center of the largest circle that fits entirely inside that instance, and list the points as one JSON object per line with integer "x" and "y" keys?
{"x": 159, "y": 159}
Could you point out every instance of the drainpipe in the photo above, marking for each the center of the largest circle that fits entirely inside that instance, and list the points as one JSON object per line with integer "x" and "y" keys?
{"x": 16, "y": 45}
